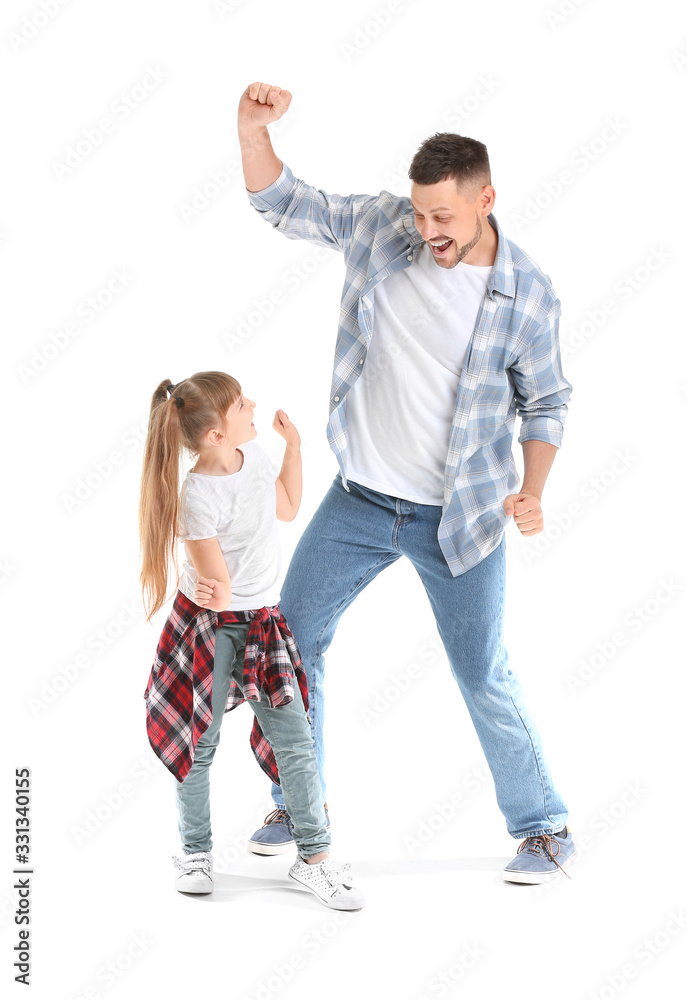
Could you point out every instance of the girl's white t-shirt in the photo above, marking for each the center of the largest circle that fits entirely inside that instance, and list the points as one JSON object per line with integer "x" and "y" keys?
{"x": 399, "y": 412}
{"x": 241, "y": 511}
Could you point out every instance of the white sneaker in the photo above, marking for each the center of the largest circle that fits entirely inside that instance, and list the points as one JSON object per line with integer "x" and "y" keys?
{"x": 330, "y": 881}
{"x": 195, "y": 872}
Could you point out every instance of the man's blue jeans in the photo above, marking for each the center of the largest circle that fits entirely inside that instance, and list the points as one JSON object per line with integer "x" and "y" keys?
{"x": 351, "y": 538}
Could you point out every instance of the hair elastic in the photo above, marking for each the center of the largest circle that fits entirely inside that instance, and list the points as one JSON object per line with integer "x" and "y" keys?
{"x": 177, "y": 399}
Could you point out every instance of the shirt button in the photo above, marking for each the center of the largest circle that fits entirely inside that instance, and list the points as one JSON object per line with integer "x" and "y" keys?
{"x": 361, "y": 361}
{"x": 409, "y": 257}
{"x": 369, "y": 279}
{"x": 336, "y": 399}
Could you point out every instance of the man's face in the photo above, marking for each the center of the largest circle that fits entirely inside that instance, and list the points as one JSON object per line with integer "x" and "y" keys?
{"x": 447, "y": 220}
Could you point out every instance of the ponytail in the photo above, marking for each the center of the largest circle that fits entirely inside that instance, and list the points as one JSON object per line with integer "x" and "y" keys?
{"x": 158, "y": 516}
{"x": 177, "y": 421}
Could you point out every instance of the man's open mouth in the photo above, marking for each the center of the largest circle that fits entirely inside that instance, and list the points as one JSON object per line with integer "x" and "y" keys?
{"x": 440, "y": 248}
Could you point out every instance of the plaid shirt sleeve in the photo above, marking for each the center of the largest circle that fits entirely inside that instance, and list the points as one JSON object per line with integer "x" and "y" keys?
{"x": 303, "y": 212}
{"x": 541, "y": 392}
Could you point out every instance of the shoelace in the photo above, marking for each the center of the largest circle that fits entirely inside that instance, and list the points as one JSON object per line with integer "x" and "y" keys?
{"x": 534, "y": 845}
{"x": 277, "y": 816}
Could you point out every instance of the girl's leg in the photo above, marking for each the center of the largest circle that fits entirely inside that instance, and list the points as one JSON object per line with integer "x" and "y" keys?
{"x": 288, "y": 731}
{"x": 193, "y": 794}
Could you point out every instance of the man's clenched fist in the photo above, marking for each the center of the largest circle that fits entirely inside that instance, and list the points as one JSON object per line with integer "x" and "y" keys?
{"x": 262, "y": 103}
{"x": 525, "y": 509}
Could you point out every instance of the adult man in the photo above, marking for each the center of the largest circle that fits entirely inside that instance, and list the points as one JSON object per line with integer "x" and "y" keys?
{"x": 447, "y": 330}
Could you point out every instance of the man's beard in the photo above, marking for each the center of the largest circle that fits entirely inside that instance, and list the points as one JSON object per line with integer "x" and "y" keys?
{"x": 465, "y": 249}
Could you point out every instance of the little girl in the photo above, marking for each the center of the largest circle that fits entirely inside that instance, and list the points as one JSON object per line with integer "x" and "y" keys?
{"x": 225, "y": 639}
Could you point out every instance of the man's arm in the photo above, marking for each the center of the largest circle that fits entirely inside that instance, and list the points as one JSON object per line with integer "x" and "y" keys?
{"x": 298, "y": 210}
{"x": 540, "y": 388}
{"x": 525, "y": 506}
{"x": 260, "y": 104}
{"x": 541, "y": 394}
{"x": 538, "y": 457}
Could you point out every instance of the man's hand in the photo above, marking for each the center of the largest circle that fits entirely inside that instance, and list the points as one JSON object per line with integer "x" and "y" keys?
{"x": 262, "y": 103}
{"x": 526, "y": 511}
{"x": 283, "y": 426}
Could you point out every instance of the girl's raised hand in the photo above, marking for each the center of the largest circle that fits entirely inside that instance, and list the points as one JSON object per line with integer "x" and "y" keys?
{"x": 204, "y": 590}
{"x": 283, "y": 426}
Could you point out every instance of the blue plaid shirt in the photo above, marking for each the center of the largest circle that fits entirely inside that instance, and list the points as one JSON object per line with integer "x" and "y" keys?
{"x": 512, "y": 365}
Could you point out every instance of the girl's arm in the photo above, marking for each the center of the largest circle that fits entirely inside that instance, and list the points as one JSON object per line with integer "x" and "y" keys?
{"x": 290, "y": 480}
{"x": 213, "y": 588}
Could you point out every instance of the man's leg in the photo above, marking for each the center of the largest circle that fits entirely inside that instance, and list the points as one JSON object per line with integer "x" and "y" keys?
{"x": 469, "y": 612}
{"x": 348, "y": 542}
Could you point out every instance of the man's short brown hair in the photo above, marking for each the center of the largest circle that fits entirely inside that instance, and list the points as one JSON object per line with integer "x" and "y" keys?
{"x": 449, "y": 155}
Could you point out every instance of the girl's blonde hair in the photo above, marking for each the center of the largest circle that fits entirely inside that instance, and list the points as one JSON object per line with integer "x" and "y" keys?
{"x": 178, "y": 420}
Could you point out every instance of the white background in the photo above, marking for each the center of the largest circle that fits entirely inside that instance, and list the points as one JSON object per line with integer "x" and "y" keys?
{"x": 606, "y": 583}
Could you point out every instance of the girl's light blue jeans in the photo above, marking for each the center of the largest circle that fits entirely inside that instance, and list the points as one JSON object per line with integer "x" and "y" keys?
{"x": 351, "y": 538}
{"x": 288, "y": 731}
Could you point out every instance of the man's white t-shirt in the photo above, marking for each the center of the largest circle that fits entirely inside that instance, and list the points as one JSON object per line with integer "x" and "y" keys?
{"x": 399, "y": 412}
{"x": 241, "y": 510}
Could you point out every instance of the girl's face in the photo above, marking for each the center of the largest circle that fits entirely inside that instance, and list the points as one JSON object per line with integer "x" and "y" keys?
{"x": 239, "y": 417}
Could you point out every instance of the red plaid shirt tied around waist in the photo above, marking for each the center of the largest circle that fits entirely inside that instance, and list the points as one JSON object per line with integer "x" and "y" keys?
{"x": 179, "y": 690}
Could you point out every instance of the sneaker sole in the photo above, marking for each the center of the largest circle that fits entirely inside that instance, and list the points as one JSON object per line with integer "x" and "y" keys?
{"x": 194, "y": 887}
{"x": 538, "y": 878}
{"x": 334, "y": 904}
{"x": 257, "y": 848}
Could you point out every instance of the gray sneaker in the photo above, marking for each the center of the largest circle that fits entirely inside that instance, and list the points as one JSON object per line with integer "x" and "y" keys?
{"x": 276, "y": 835}
{"x": 542, "y": 859}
